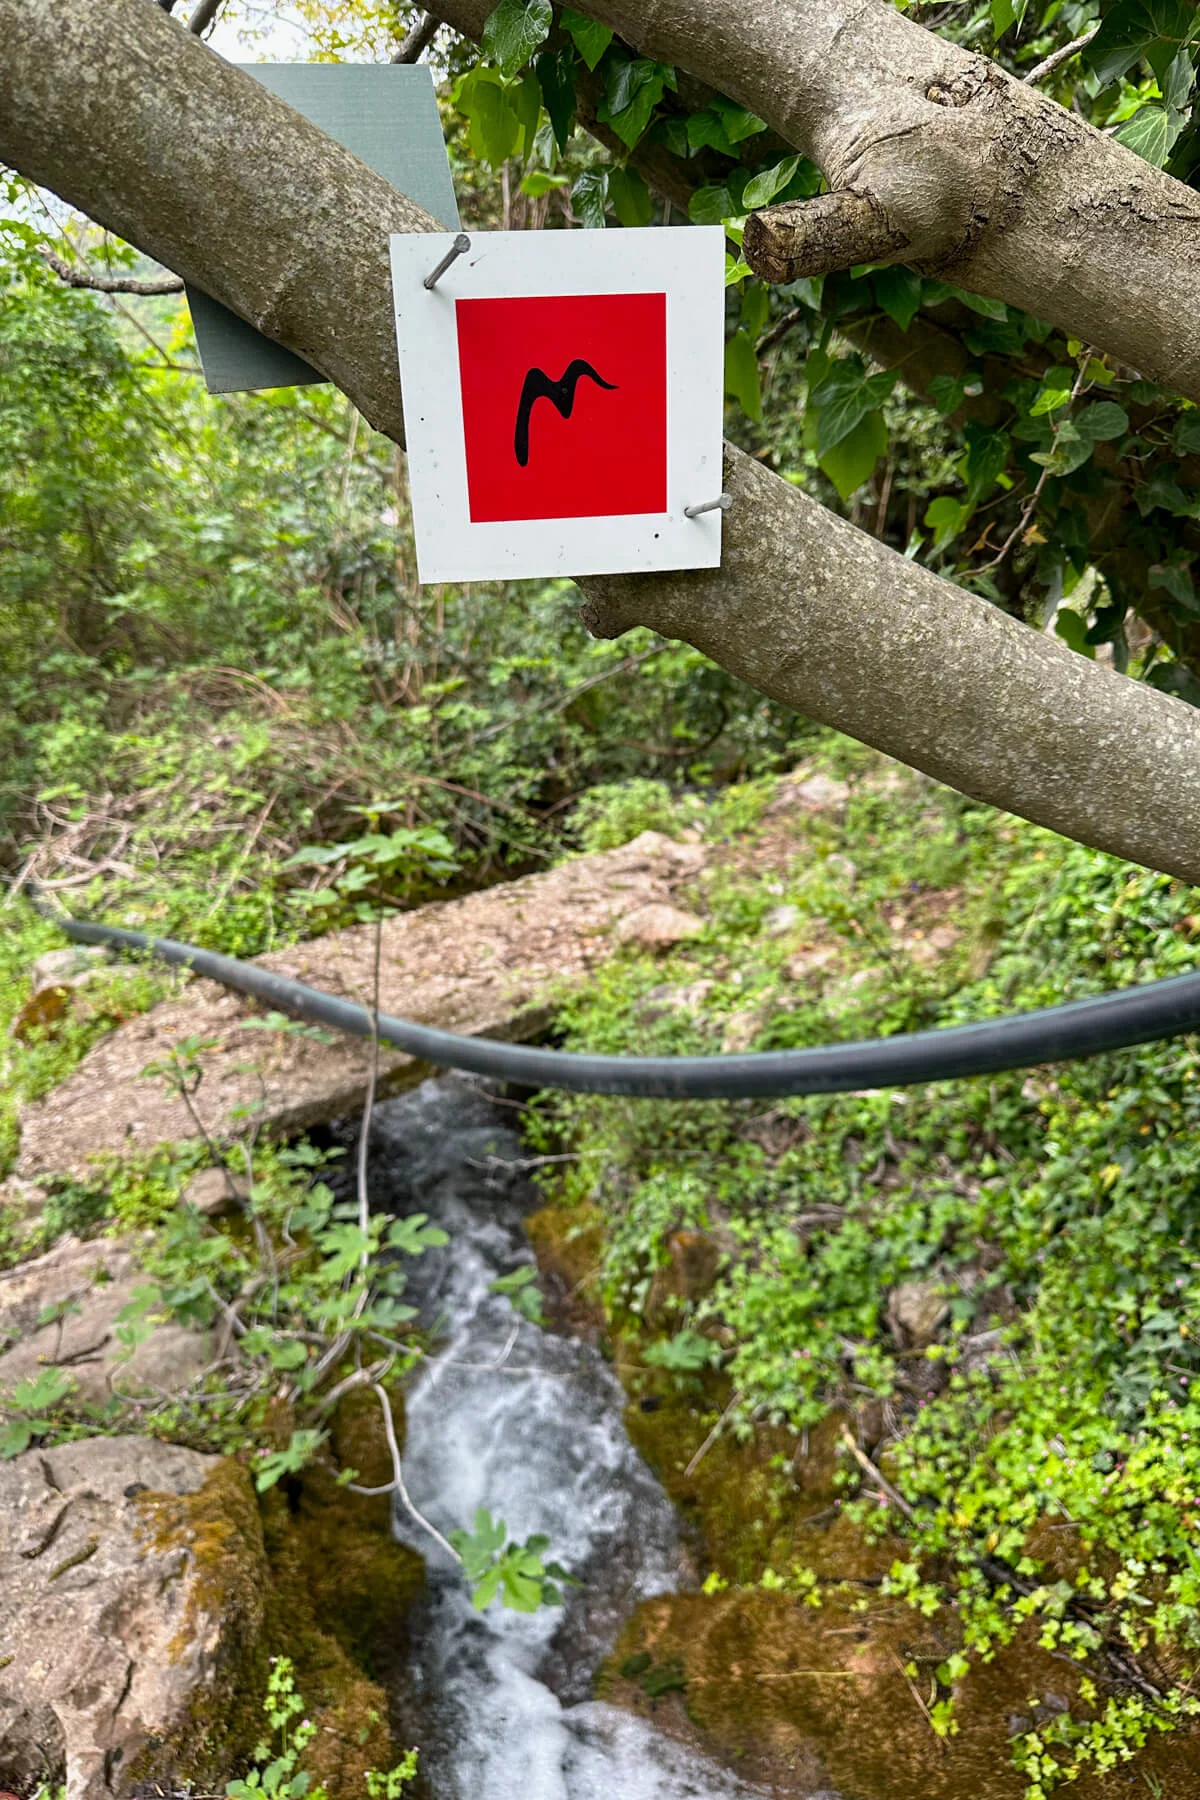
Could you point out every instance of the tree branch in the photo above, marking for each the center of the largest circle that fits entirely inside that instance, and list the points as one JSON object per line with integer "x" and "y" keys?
{"x": 815, "y": 237}
{"x": 993, "y": 185}
{"x": 290, "y": 230}
{"x": 418, "y": 40}
{"x": 76, "y": 277}
{"x": 204, "y": 15}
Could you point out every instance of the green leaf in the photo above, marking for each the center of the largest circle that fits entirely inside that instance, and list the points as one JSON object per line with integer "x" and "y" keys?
{"x": 527, "y": 104}
{"x": 1072, "y": 629}
{"x": 1101, "y": 421}
{"x": 632, "y": 91}
{"x": 541, "y": 181}
{"x": 591, "y": 40}
{"x": 711, "y": 206}
{"x": 555, "y": 71}
{"x": 1055, "y": 390}
{"x": 494, "y": 127}
{"x": 514, "y": 31}
{"x": 898, "y": 292}
{"x": 706, "y": 131}
{"x": 761, "y": 189}
{"x": 945, "y": 517}
{"x": 739, "y": 123}
{"x": 985, "y": 461}
{"x": 741, "y": 374}
{"x": 948, "y": 392}
{"x": 849, "y": 463}
{"x": 735, "y": 269}
{"x": 1132, "y": 29}
{"x": 1004, "y": 14}
{"x": 1175, "y": 577}
{"x": 630, "y": 197}
{"x": 1153, "y": 132}
{"x": 984, "y": 304}
{"x": 1185, "y": 439}
{"x": 589, "y": 197}
{"x": 844, "y": 397}
{"x": 1069, "y": 451}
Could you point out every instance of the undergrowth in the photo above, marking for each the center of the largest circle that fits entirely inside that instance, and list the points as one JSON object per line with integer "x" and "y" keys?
{"x": 1043, "y": 1439}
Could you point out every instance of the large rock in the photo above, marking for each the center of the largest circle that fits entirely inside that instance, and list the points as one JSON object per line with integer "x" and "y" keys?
{"x": 119, "y": 1630}
{"x": 61, "y": 1311}
{"x": 489, "y": 964}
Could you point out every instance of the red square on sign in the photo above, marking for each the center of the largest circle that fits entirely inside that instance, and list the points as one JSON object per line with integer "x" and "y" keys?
{"x": 564, "y": 401}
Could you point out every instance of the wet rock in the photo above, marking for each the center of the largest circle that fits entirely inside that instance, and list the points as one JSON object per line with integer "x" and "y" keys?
{"x": 915, "y": 1311}
{"x": 67, "y": 968}
{"x": 111, "y": 1633}
{"x": 216, "y": 1193}
{"x": 61, "y": 1311}
{"x": 658, "y": 926}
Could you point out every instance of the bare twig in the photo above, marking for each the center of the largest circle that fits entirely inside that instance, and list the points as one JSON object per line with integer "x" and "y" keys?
{"x": 364, "y": 1136}
{"x": 868, "y": 1467}
{"x": 912, "y": 1688}
{"x": 1057, "y": 58}
{"x": 78, "y": 277}
{"x": 418, "y": 39}
{"x": 396, "y": 1485}
{"x": 712, "y": 1437}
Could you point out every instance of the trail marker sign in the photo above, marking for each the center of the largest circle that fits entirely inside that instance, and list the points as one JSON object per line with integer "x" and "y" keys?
{"x": 562, "y": 400}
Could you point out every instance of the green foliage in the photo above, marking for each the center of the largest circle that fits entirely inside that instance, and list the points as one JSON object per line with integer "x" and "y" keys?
{"x": 518, "y": 1573}
{"x": 521, "y": 1287}
{"x": 1050, "y": 1210}
{"x": 278, "y": 1773}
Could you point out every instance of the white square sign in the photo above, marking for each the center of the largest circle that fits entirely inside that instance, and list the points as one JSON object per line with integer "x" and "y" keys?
{"x": 563, "y": 396}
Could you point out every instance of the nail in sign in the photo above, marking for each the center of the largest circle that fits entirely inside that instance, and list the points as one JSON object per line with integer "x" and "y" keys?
{"x": 562, "y": 400}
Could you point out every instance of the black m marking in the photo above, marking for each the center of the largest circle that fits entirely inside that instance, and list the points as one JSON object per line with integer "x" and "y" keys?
{"x": 537, "y": 385}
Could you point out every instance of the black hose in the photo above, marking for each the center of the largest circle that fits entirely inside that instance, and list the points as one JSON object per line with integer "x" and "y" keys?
{"x": 1135, "y": 1015}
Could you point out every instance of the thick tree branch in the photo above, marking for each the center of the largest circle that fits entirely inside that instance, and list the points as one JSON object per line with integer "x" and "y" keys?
{"x": 123, "y": 112}
{"x": 991, "y": 184}
{"x": 815, "y": 237}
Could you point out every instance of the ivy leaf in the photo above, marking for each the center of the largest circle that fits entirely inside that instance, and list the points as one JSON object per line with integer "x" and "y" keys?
{"x": 844, "y": 397}
{"x": 1186, "y": 437}
{"x": 849, "y": 463}
{"x": 945, "y": 517}
{"x": 948, "y": 392}
{"x": 541, "y": 181}
{"x": 1055, "y": 390}
{"x": 741, "y": 374}
{"x": 898, "y": 292}
{"x": 735, "y": 269}
{"x": 630, "y": 197}
{"x": 761, "y": 188}
{"x": 1101, "y": 421}
{"x": 986, "y": 459}
{"x": 1154, "y": 29}
{"x": 632, "y": 91}
{"x": 706, "y": 131}
{"x": 984, "y": 304}
{"x": 591, "y": 40}
{"x": 1175, "y": 578}
{"x": 1073, "y": 631}
{"x": 711, "y": 206}
{"x": 590, "y": 196}
{"x": 1069, "y": 451}
{"x": 738, "y": 122}
{"x": 514, "y": 31}
{"x": 555, "y": 71}
{"x": 1153, "y": 132}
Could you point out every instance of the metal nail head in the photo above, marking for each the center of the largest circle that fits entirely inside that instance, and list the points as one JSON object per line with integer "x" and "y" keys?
{"x": 722, "y": 503}
{"x": 459, "y": 247}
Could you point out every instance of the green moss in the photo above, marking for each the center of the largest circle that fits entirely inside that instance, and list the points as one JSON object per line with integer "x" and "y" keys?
{"x": 313, "y": 1573}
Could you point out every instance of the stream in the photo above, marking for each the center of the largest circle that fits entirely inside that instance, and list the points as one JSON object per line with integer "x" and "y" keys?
{"x": 529, "y": 1424}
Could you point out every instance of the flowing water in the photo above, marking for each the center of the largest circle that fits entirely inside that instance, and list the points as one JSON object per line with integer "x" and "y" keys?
{"x": 528, "y": 1424}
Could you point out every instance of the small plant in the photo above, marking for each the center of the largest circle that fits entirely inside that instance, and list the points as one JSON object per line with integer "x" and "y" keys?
{"x": 516, "y": 1572}
{"x": 277, "y": 1774}
{"x": 32, "y": 1412}
{"x": 376, "y": 869}
{"x": 521, "y": 1287}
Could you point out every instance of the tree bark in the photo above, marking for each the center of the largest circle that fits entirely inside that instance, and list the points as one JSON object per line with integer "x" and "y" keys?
{"x": 127, "y": 116}
{"x": 988, "y": 183}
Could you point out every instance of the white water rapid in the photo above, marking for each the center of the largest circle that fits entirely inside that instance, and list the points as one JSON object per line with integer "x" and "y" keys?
{"x": 540, "y": 1441}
